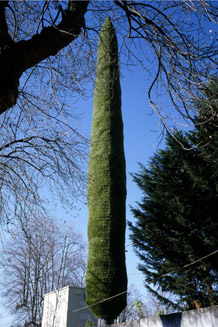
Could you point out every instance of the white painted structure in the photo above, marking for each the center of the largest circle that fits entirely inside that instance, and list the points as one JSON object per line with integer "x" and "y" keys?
{"x": 61, "y": 308}
{"x": 204, "y": 317}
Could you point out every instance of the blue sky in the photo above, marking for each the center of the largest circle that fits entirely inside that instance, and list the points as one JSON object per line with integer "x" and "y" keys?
{"x": 141, "y": 140}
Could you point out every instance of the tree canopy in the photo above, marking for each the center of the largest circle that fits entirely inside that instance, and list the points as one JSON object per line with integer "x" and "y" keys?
{"x": 174, "y": 41}
{"x": 40, "y": 142}
{"x": 176, "y": 220}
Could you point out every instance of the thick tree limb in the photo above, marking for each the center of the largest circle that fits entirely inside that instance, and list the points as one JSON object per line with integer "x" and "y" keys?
{"x": 5, "y": 38}
{"x": 15, "y": 58}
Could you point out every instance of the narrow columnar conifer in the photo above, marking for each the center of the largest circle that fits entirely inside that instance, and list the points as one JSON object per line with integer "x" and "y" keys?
{"x": 106, "y": 271}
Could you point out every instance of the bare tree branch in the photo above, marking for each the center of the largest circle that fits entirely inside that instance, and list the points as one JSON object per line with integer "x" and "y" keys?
{"x": 16, "y": 57}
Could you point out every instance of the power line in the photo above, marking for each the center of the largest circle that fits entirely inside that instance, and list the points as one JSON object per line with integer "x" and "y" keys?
{"x": 92, "y": 305}
{"x": 183, "y": 267}
{"x": 190, "y": 264}
{"x": 170, "y": 272}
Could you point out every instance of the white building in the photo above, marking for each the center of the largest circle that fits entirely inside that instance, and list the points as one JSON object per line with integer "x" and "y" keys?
{"x": 65, "y": 308}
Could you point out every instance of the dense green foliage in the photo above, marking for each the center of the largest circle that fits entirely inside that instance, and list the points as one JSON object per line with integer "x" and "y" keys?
{"x": 106, "y": 271}
{"x": 177, "y": 219}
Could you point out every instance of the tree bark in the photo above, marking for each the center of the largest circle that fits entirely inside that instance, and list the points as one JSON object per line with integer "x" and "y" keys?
{"x": 16, "y": 57}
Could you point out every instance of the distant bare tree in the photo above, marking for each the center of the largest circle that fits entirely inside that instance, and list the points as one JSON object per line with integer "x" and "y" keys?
{"x": 139, "y": 306}
{"x": 136, "y": 307}
{"x": 48, "y": 257}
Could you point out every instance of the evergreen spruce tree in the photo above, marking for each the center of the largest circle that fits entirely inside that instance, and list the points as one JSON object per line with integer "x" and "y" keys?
{"x": 106, "y": 270}
{"x": 177, "y": 219}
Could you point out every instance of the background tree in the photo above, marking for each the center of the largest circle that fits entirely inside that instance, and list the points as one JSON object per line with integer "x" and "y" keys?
{"x": 50, "y": 257}
{"x": 139, "y": 306}
{"x": 135, "y": 308}
{"x": 106, "y": 269}
{"x": 176, "y": 221}
{"x": 41, "y": 148}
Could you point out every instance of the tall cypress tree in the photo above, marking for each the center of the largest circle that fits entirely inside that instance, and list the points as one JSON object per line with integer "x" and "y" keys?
{"x": 176, "y": 221}
{"x": 106, "y": 270}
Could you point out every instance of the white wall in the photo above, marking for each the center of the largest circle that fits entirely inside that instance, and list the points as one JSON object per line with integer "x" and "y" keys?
{"x": 61, "y": 308}
{"x": 205, "y": 317}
